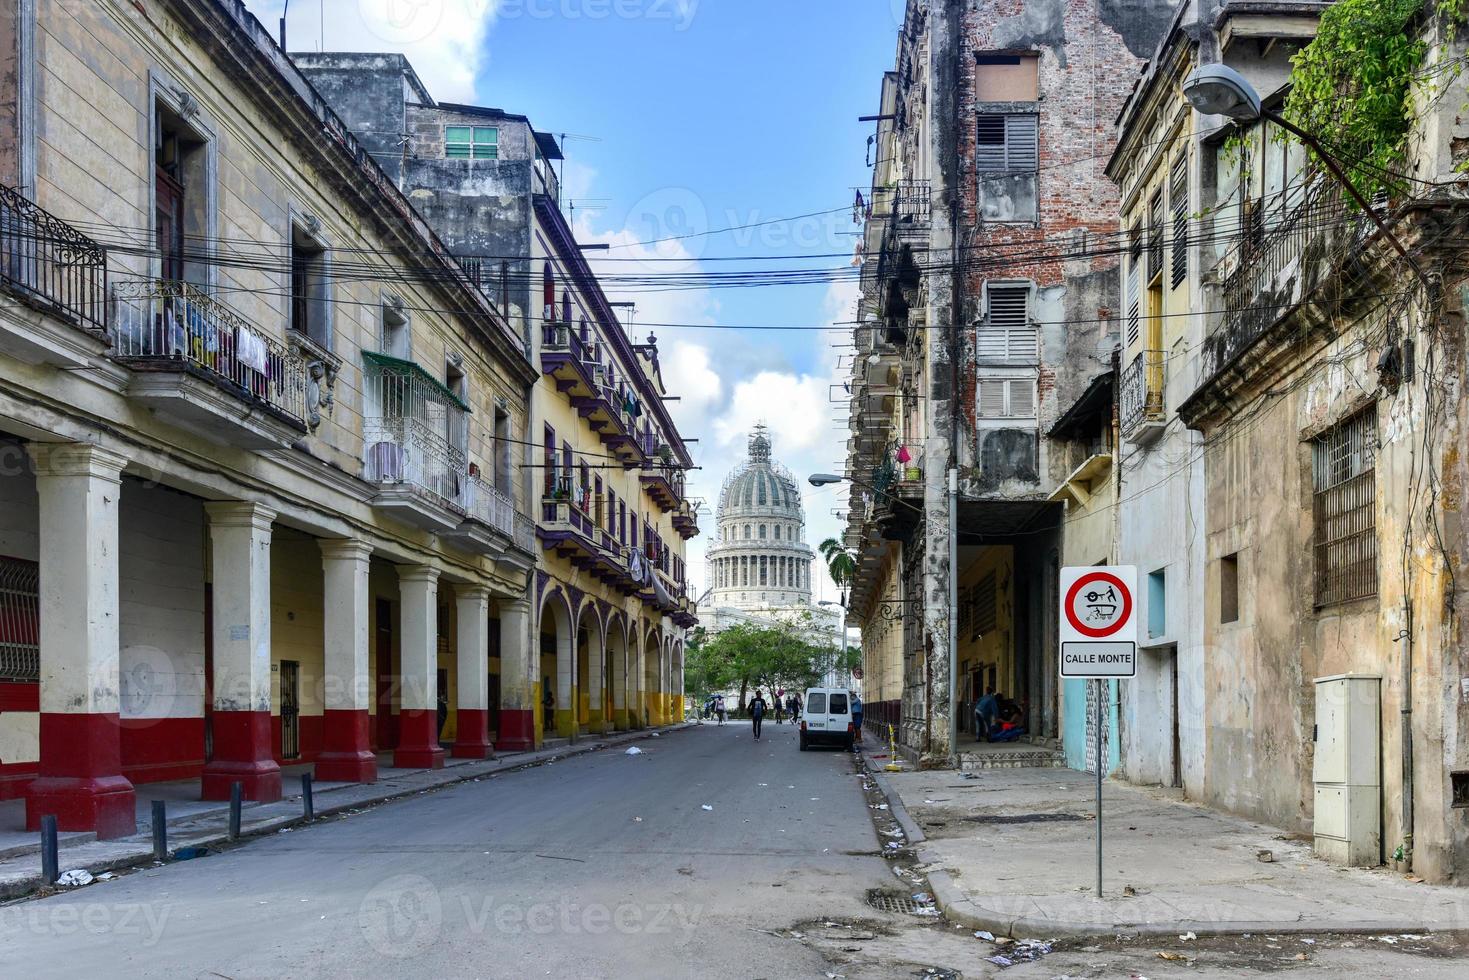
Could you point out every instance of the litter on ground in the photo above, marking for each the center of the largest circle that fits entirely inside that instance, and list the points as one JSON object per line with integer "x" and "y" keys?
{"x": 75, "y": 878}
{"x": 634, "y": 751}
{"x": 707, "y": 807}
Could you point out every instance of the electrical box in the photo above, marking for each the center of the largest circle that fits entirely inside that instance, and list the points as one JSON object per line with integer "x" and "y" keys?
{"x": 1348, "y": 769}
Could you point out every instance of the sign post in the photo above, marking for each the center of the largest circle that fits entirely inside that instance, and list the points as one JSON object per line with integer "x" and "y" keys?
{"x": 1099, "y": 643}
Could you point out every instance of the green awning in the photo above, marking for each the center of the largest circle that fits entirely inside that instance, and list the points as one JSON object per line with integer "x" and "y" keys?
{"x": 414, "y": 370}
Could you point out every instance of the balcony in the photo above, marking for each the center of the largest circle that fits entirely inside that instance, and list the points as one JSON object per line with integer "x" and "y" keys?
{"x": 568, "y": 530}
{"x": 413, "y": 433}
{"x": 686, "y": 521}
{"x": 61, "y": 275}
{"x": 912, "y": 208}
{"x": 202, "y": 366}
{"x": 1143, "y": 412}
{"x": 608, "y": 412}
{"x": 491, "y": 521}
{"x": 564, "y": 358}
{"x": 665, "y": 485}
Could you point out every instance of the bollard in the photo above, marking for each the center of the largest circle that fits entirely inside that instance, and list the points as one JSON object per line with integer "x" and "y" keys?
{"x": 50, "y": 863}
{"x": 307, "y": 804}
{"x": 160, "y": 830}
{"x": 236, "y": 791}
{"x": 892, "y": 765}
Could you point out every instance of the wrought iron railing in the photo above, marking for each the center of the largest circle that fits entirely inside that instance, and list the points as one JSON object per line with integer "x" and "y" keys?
{"x": 557, "y": 335}
{"x": 489, "y": 506}
{"x": 1141, "y": 392}
{"x": 912, "y": 202}
{"x": 165, "y": 322}
{"x": 408, "y": 452}
{"x": 20, "y": 620}
{"x": 44, "y": 258}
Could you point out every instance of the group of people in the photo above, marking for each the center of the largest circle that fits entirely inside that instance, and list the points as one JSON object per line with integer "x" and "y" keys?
{"x": 997, "y": 718}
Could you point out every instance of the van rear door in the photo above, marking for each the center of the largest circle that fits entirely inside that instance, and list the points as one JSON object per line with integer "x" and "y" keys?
{"x": 815, "y": 718}
{"x": 838, "y": 713}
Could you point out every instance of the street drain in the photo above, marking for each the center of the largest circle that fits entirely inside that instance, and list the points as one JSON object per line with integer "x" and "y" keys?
{"x": 1025, "y": 818}
{"x": 885, "y": 901}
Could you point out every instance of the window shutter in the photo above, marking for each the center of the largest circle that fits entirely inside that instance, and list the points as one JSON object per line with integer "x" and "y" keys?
{"x": 1155, "y": 236}
{"x": 1134, "y": 285}
{"x": 1009, "y": 307}
{"x": 1022, "y": 398}
{"x": 1022, "y": 138}
{"x": 1007, "y": 144}
{"x": 1178, "y": 198}
{"x": 989, "y": 151}
{"x": 1007, "y": 332}
{"x": 992, "y": 399}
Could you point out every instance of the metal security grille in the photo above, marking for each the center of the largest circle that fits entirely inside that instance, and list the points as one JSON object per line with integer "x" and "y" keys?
{"x": 1178, "y": 199}
{"x": 1007, "y": 144}
{"x": 1344, "y": 478}
{"x": 20, "y": 620}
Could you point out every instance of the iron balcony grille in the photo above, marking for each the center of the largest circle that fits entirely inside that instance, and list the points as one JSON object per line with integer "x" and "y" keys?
{"x": 20, "y": 620}
{"x": 415, "y": 431}
{"x": 1142, "y": 390}
{"x": 47, "y": 262}
{"x": 173, "y": 324}
{"x": 1343, "y": 467}
{"x": 912, "y": 202}
{"x": 489, "y": 506}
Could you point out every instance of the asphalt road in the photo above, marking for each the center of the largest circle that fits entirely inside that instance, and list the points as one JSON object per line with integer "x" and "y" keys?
{"x": 600, "y": 865}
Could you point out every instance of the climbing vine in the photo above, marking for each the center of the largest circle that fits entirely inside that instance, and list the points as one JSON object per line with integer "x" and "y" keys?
{"x": 1352, "y": 85}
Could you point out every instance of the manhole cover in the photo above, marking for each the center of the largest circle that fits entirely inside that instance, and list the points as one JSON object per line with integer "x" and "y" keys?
{"x": 1025, "y": 818}
{"x": 892, "y": 902}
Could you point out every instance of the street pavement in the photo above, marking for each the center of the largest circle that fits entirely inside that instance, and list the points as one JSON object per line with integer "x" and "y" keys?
{"x": 605, "y": 864}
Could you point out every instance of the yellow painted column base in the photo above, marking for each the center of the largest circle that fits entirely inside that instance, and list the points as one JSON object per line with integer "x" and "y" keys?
{"x": 565, "y": 722}
{"x": 595, "y": 724}
{"x": 620, "y": 721}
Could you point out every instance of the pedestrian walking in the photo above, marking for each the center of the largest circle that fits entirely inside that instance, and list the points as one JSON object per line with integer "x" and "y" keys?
{"x": 757, "y": 712}
{"x": 719, "y": 708}
{"x": 779, "y": 710}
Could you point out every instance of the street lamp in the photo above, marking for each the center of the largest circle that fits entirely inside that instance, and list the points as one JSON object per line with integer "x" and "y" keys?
{"x": 827, "y": 479}
{"x": 1219, "y": 90}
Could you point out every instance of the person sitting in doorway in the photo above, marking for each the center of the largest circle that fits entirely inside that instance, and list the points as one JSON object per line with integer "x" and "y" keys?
{"x": 986, "y": 715}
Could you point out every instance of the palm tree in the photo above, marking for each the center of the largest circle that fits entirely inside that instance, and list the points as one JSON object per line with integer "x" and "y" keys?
{"x": 839, "y": 562}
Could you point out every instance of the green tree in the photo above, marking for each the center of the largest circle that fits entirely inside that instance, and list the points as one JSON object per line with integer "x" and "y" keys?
{"x": 840, "y": 564}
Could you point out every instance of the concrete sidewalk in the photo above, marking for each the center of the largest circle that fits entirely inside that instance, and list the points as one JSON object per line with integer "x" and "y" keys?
{"x": 195, "y": 823}
{"x": 1013, "y": 851}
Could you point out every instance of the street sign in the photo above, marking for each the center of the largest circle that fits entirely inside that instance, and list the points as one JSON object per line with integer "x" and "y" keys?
{"x": 1099, "y": 642}
{"x": 1099, "y": 622}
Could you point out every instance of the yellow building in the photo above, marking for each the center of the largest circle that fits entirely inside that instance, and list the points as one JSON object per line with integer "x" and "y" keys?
{"x": 263, "y": 498}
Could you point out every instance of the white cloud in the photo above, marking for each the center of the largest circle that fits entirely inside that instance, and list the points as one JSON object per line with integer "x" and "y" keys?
{"x": 444, "y": 39}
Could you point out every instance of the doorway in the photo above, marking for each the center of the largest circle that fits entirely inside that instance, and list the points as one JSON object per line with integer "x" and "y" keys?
{"x": 290, "y": 709}
{"x": 1175, "y": 740}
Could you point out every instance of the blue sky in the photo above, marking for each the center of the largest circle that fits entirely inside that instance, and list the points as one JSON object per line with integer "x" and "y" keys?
{"x": 705, "y": 114}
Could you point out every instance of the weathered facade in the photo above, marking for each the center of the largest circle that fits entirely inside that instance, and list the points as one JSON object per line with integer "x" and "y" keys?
{"x": 606, "y": 462}
{"x": 985, "y": 316}
{"x": 264, "y": 496}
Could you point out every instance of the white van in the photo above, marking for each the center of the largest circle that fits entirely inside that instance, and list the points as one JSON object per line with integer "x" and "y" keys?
{"x": 827, "y": 718}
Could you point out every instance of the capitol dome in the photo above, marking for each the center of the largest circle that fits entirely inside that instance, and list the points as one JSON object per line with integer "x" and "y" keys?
{"x": 759, "y": 558}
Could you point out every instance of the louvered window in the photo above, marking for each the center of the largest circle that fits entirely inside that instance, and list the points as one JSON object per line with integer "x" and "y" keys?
{"x": 1007, "y": 144}
{"x": 1155, "y": 237}
{"x": 1007, "y": 332}
{"x": 1134, "y": 284}
{"x": 1007, "y": 398}
{"x": 1343, "y": 471}
{"x": 1178, "y": 198}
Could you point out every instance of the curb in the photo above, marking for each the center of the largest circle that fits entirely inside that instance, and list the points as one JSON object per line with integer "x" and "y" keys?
{"x": 22, "y": 886}
{"x": 895, "y": 803}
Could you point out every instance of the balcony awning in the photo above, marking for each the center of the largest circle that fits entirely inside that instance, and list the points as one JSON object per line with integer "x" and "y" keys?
{"x": 1094, "y": 403}
{"x": 413, "y": 369}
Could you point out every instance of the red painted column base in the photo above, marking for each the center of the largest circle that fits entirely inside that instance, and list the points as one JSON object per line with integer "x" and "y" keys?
{"x": 241, "y": 755}
{"x": 79, "y": 779}
{"x": 517, "y": 730}
{"x": 418, "y": 740}
{"x": 472, "y": 734}
{"x": 346, "y": 754}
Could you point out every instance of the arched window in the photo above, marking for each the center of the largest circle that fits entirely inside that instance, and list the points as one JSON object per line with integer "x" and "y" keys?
{"x": 762, "y": 532}
{"x": 761, "y": 483}
{"x": 566, "y": 306}
{"x": 548, "y": 291}
{"x": 747, "y": 532}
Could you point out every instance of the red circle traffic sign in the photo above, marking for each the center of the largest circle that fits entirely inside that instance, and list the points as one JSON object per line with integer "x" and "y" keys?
{"x": 1122, "y": 614}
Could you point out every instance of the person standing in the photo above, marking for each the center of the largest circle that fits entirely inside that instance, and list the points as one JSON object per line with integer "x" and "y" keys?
{"x": 856, "y": 714}
{"x": 757, "y": 712}
{"x": 986, "y": 713}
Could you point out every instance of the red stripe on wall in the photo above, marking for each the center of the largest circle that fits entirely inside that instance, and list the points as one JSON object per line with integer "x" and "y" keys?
{"x": 156, "y": 750}
{"x": 20, "y": 696}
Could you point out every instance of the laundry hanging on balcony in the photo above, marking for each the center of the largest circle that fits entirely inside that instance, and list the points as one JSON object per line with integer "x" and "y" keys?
{"x": 250, "y": 350}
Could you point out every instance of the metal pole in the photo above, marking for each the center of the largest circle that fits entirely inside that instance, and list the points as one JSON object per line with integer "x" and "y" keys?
{"x": 236, "y": 793}
{"x": 50, "y": 861}
{"x": 1101, "y": 763}
{"x": 160, "y": 830}
{"x": 953, "y": 617}
{"x": 308, "y": 804}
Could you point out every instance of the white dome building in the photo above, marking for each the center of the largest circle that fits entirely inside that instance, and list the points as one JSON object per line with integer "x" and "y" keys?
{"x": 759, "y": 559}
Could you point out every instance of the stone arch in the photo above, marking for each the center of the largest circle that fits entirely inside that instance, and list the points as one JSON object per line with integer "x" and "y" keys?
{"x": 586, "y": 681}
{"x": 617, "y": 661}
{"x": 554, "y": 660}
{"x": 652, "y": 676}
